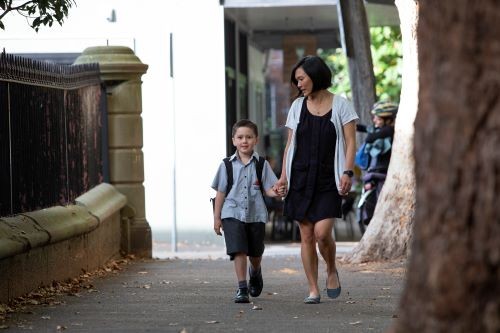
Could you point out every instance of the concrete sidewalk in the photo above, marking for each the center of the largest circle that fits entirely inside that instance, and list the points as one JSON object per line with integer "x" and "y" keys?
{"x": 195, "y": 295}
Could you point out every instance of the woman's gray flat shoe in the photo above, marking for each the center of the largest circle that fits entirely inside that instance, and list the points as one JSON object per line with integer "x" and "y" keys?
{"x": 334, "y": 293}
{"x": 312, "y": 300}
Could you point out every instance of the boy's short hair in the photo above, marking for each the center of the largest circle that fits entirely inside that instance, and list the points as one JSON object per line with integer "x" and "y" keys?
{"x": 245, "y": 123}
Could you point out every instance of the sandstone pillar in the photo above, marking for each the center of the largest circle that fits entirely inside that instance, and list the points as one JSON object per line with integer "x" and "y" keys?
{"x": 121, "y": 71}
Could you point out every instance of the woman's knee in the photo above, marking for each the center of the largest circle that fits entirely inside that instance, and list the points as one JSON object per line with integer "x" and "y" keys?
{"x": 323, "y": 235}
{"x": 306, "y": 233}
{"x": 324, "y": 238}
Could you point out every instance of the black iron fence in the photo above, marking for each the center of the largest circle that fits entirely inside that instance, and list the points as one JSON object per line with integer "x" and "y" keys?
{"x": 52, "y": 144}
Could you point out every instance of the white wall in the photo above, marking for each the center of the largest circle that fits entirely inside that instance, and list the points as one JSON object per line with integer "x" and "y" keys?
{"x": 199, "y": 86}
{"x": 193, "y": 101}
{"x": 257, "y": 94}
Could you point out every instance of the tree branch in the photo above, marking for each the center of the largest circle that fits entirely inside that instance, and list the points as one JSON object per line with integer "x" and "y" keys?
{"x": 21, "y": 6}
{"x": 8, "y": 9}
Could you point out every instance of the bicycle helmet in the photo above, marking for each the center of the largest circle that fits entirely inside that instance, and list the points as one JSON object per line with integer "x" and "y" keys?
{"x": 385, "y": 109}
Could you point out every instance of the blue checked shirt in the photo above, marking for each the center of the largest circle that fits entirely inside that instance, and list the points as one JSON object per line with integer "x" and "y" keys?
{"x": 245, "y": 201}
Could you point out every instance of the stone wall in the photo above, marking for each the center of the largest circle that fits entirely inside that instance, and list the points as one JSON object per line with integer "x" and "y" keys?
{"x": 58, "y": 243}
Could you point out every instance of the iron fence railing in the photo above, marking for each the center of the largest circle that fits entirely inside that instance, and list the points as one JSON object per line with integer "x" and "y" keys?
{"x": 51, "y": 133}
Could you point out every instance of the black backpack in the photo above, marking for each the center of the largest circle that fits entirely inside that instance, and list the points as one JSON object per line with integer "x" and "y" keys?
{"x": 229, "y": 169}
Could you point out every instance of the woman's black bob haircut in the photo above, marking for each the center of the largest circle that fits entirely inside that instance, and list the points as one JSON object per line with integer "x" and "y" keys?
{"x": 316, "y": 69}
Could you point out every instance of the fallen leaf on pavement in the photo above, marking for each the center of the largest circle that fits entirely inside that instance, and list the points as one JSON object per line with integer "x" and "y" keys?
{"x": 71, "y": 287}
{"x": 356, "y": 322}
{"x": 211, "y": 322}
{"x": 257, "y": 307}
{"x": 289, "y": 271}
{"x": 61, "y": 327}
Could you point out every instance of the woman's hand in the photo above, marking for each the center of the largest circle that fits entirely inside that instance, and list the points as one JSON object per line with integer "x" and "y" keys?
{"x": 345, "y": 184}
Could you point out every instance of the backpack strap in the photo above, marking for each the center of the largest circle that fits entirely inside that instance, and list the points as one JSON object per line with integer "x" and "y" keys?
{"x": 229, "y": 171}
{"x": 259, "y": 168}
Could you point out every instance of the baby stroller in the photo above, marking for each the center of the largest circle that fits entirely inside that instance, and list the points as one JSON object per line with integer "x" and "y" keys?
{"x": 372, "y": 185}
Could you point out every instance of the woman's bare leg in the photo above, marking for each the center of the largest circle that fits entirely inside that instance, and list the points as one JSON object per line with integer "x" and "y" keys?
{"x": 327, "y": 248}
{"x": 309, "y": 256}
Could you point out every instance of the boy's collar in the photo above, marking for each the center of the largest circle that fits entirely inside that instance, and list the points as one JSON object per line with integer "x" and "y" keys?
{"x": 255, "y": 156}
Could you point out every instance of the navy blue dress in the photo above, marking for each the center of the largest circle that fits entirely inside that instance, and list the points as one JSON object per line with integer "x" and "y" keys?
{"x": 313, "y": 193}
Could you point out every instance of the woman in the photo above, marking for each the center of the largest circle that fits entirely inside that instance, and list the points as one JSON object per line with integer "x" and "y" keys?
{"x": 317, "y": 167}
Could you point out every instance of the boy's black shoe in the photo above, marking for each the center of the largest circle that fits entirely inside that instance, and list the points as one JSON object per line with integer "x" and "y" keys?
{"x": 242, "y": 296}
{"x": 255, "y": 284}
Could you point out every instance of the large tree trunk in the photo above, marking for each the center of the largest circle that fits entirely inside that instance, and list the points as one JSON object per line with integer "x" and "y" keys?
{"x": 355, "y": 33}
{"x": 454, "y": 272}
{"x": 389, "y": 233}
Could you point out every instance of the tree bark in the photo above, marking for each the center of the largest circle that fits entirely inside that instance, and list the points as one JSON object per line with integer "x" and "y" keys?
{"x": 355, "y": 34}
{"x": 454, "y": 271}
{"x": 389, "y": 233}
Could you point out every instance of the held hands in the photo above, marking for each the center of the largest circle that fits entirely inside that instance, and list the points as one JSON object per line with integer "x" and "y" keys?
{"x": 280, "y": 188}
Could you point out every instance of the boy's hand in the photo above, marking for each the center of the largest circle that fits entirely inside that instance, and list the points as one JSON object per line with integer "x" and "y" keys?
{"x": 218, "y": 226}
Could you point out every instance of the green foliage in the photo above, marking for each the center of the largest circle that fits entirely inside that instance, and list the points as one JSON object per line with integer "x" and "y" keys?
{"x": 337, "y": 61}
{"x": 387, "y": 62}
{"x": 387, "y": 59}
{"x": 37, "y": 12}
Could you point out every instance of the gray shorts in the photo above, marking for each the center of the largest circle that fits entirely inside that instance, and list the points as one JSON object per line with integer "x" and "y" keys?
{"x": 241, "y": 237}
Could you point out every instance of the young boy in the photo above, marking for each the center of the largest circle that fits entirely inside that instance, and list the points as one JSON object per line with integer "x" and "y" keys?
{"x": 242, "y": 214}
